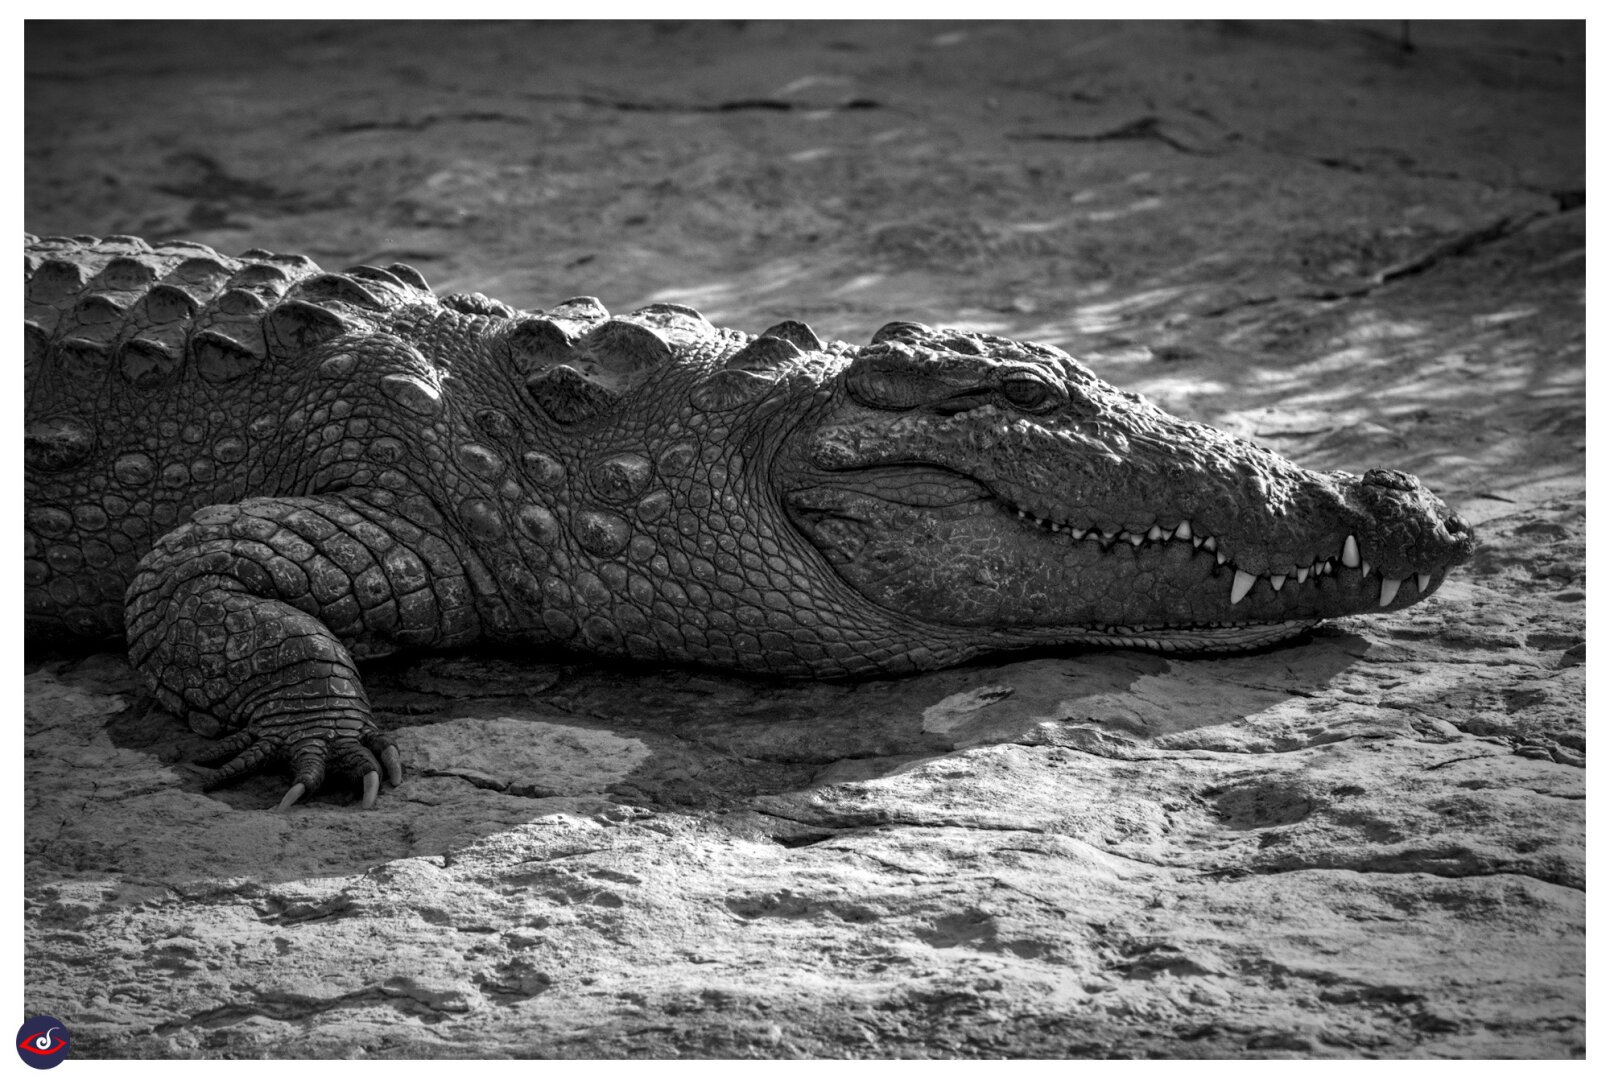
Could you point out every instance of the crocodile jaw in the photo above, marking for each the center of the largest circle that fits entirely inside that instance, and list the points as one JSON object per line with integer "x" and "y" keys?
{"x": 944, "y": 548}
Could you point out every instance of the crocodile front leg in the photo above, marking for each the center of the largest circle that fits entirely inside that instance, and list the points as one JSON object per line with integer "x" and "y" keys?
{"x": 248, "y": 618}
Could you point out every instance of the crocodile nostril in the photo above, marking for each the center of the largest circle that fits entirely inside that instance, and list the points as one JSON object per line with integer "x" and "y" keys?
{"x": 1391, "y": 478}
{"x": 1456, "y": 525}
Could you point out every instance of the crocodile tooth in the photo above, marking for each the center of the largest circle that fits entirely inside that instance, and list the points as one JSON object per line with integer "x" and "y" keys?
{"x": 1040, "y": 522}
{"x": 1055, "y": 526}
{"x": 1241, "y": 586}
{"x": 1350, "y": 551}
{"x": 1154, "y": 533}
{"x": 1108, "y": 537}
{"x": 1136, "y": 539}
{"x": 1077, "y": 534}
{"x": 1277, "y": 580}
{"x": 1183, "y": 532}
{"x": 1021, "y": 514}
{"x": 1211, "y": 543}
{"x": 1389, "y": 589}
{"x": 1196, "y": 542}
{"x": 1364, "y": 570}
{"x": 1302, "y": 574}
{"x": 1422, "y": 580}
{"x": 1223, "y": 558}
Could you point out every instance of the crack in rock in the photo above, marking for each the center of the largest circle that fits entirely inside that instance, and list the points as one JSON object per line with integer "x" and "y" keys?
{"x": 1455, "y": 247}
{"x": 1139, "y": 129}
{"x": 624, "y": 104}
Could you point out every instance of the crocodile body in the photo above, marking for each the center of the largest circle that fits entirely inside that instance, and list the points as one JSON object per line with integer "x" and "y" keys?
{"x": 258, "y": 473}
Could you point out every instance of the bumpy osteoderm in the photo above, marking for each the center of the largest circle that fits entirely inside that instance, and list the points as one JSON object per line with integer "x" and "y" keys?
{"x": 258, "y": 473}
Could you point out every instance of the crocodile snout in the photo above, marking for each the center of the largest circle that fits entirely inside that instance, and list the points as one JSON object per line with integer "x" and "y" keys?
{"x": 1413, "y": 523}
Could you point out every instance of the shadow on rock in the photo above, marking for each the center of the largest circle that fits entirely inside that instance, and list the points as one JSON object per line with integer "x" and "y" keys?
{"x": 492, "y": 742}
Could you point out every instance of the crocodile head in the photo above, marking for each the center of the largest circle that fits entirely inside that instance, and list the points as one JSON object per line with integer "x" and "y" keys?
{"x": 999, "y": 489}
{"x": 775, "y": 504}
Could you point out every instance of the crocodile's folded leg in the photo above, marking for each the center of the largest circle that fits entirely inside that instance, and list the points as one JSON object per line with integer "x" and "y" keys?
{"x": 250, "y": 617}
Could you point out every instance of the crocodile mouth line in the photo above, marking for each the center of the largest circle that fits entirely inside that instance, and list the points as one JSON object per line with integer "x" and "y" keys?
{"x": 1241, "y": 582}
{"x": 952, "y": 492}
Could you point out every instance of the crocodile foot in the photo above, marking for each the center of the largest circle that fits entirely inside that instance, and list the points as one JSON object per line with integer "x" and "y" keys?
{"x": 245, "y": 619}
{"x": 313, "y": 747}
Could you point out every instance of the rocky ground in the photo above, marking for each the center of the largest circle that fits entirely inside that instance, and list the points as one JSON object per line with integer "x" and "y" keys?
{"x": 1368, "y": 843}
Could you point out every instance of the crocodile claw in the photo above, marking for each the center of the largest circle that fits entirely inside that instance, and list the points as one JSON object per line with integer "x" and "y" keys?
{"x": 366, "y": 758}
{"x": 393, "y": 763}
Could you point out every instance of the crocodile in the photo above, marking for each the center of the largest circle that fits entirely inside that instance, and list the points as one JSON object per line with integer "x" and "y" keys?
{"x": 257, "y": 473}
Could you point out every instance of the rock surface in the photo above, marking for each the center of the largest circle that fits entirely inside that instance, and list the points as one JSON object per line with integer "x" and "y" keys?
{"x": 1368, "y": 843}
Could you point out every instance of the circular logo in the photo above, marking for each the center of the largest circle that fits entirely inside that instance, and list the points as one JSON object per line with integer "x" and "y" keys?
{"x": 43, "y": 1042}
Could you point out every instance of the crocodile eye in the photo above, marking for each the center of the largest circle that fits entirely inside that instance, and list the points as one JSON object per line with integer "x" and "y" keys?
{"x": 1027, "y": 392}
